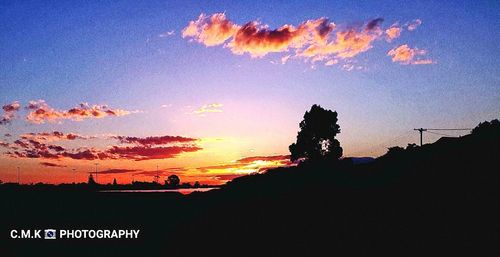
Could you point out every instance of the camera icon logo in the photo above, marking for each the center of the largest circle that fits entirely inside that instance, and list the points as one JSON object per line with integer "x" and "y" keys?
{"x": 50, "y": 234}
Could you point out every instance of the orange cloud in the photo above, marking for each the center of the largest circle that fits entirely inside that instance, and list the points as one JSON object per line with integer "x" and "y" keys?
{"x": 250, "y": 164}
{"x": 406, "y": 55}
{"x": 312, "y": 40}
{"x": 244, "y": 166}
{"x": 393, "y": 32}
{"x": 9, "y": 112}
{"x": 258, "y": 40}
{"x": 210, "y": 31}
{"x": 40, "y": 112}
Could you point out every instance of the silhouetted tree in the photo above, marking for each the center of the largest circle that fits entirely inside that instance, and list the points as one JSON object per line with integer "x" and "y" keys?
{"x": 114, "y": 182}
{"x": 411, "y": 146}
{"x": 196, "y": 184}
{"x": 91, "y": 180}
{"x": 487, "y": 127}
{"x": 173, "y": 180}
{"x": 395, "y": 150}
{"x": 316, "y": 138}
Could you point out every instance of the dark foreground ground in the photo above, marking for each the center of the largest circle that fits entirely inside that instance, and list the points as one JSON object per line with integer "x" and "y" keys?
{"x": 441, "y": 199}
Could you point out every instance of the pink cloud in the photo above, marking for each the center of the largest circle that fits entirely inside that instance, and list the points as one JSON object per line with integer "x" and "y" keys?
{"x": 155, "y": 140}
{"x": 411, "y": 26}
{"x": 393, "y": 32}
{"x": 210, "y": 31}
{"x": 316, "y": 40}
{"x": 405, "y": 55}
{"x": 37, "y": 145}
{"x": 53, "y": 136}
{"x": 40, "y": 112}
{"x": 9, "y": 112}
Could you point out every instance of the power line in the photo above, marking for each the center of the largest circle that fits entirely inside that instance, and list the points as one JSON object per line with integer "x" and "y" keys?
{"x": 422, "y": 130}
{"x": 449, "y": 129}
{"x": 441, "y": 134}
{"x": 384, "y": 143}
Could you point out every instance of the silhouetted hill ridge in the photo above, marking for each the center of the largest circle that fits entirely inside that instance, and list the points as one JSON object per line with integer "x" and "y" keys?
{"x": 446, "y": 158}
{"x": 436, "y": 200}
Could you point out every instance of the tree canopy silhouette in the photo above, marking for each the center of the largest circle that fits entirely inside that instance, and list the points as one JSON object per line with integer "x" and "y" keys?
{"x": 173, "y": 180}
{"x": 316, "y": 138}
{"x": 487, "y": 127}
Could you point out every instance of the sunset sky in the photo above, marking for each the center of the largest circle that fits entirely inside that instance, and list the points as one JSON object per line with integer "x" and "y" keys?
{"x": 210, "y": 90}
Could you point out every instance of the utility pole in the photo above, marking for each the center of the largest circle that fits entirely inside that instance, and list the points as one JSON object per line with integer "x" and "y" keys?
{"x": 421, "y": 130}
{"x": 96, "y": 172}
{"x": 157, "y": 177}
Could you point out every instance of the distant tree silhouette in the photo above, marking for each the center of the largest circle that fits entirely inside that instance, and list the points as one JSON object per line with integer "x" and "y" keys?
{"x": 411, "y": 146}
{"x": 91, "y": 180}
{"x": 487, "y": 127}
{"x": 395, "y": 150}
{"x": 196, "y": 184}
{"x": 114, "y": 182}
{"x": 173, "y": 180}
{"x": 316, "y": 138}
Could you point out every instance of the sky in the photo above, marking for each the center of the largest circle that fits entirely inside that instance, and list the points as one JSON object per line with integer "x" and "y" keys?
{"x": 212, "y": 90}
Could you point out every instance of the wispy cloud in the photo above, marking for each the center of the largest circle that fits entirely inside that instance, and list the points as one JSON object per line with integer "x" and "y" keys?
{"x": 155, "y": 140}
{"x": 35, "y": 146}
{"x": 250, "y": 164}
{"x": 210, "y": 31}
{"x": 117, "y": 171}
{"x": 405, "y": 55}
{"x": 40, "y": 111}
{"x": 413, "y": 25}
{"x": 50, "y": 164}
{"x": 142, "y": 153}
{"x": 9, "y": 112}
{"x": 167, "y": 34}
{"x": 53, "y": 136}
{"x": 208, "y": 108}
{"x": 244, "y": 166}
{"x": 163, "y": 172}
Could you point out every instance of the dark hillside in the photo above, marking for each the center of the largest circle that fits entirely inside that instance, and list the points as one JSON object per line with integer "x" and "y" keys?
{"x": 437, "y": 200}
